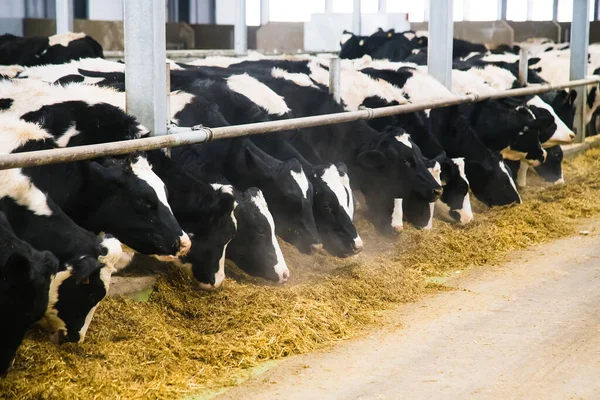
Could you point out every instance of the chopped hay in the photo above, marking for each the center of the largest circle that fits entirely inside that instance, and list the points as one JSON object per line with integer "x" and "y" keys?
{"x": 184, "y": 340}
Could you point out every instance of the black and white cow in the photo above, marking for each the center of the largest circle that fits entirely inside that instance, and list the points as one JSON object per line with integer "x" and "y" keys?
{"x": 334, "y": 203}
{"x": 56, "y": 49}
{"x": 79, "y": 122}
{"x": 25, "y": 276}
{"x": 127, "y": 199}
{"x": 87, "y": 261}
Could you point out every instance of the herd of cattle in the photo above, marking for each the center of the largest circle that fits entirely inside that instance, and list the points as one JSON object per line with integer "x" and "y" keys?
{"x": 66, "y": 228}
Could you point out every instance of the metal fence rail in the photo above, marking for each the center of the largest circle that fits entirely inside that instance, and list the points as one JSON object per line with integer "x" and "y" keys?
{"x": 180, "y": 136}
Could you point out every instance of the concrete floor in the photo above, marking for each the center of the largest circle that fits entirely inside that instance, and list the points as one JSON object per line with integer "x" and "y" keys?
{"x": 529, "y": 329}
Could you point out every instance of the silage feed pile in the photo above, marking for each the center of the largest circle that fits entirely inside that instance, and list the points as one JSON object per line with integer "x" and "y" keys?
{"x": 183, "y": 340}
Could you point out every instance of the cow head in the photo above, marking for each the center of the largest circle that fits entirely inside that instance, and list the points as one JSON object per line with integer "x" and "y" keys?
{"x": 334, "y": 210}
{"x": 525, "y": 145}
{"x": 290, "y": 198}
{"x": 352, "y": 46}
{"x": 491, "y": 181}
{"x": 25, "y": 276}
{"x": 552, "y": 129}
{"x": 551, "y": 170}
{"x": 131, "y": 203}
{"x": 593, "y": 100}
{"x": 391, "y": 167}
{"x": 76, "y": 290}
{"x": 455, "y": 203}
{"x": 210, "y": 234}
{"x": 254, "y": 248}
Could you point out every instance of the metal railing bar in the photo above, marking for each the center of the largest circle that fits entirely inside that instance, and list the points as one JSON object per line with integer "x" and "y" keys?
{"x": 180, "y": 136}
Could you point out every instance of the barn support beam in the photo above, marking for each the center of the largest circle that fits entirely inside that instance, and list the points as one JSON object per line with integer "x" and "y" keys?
{"x": 356, "y": 18}
{"x": 523, "y": 66}
{"x": 265, "y": 8}
{"x": 502, "y": 10}
{"x": 173, "y": 10}
{"x": 64, "y": 16}
{"x": 328, "y": 6}
{"x": 580, "y": 32}
{"x": 334, "y": 78}
{"x": 554, "y": 10}
{"x": 145, "y": 69}
{"x": 382, "y": 6}
{"x": 240, "y": 31}
{"x": 441, "y": 32}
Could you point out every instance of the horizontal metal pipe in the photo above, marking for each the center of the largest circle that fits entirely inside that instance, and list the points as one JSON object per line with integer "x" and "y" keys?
{"x": 180, "y": 136}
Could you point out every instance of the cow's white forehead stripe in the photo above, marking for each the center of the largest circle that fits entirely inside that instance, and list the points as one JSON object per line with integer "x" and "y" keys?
{"x": 404, "y": 139}
{"x": 142, "y": 169}
{"x": 460, "y": 163}
{"x": 510, "y": 179}
{"x": 332, "y": 179}
{"x": 300, "y": 178}
{"x": 280, "y": 266}
{"x": 397, "y": 215}
{"x": 346, "y": 183}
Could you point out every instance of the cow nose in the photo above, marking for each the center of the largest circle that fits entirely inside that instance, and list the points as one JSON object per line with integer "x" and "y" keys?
{"x": 357, "y": 245}
{"x": 58, "y": 337}
{"x": 316, "y": 247}
{"x": 572, "y": 135}
{"x": 183, "y": 244}
{"x": 285, "y": 275}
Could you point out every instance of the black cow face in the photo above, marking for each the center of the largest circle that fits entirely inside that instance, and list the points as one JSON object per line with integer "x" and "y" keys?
{"x": 76, "y": 290}
{"x": 392, "y": 167}
{"x": 289, "y": 195}
{"x": 210, "y": 237}
{"x": 334, "y": 210}
{"x": 25, "y": 276}
{"x": 526, "y": 145}
{"x": 491, "y": 181}
{"x": 254, "y": 248}
{"x": 551, "y": 170}
{"x": 130, "y": 189}
{"x": 352, "y": 46}
{"x": 564, "y": 106}
{"x": 455, "y": 203}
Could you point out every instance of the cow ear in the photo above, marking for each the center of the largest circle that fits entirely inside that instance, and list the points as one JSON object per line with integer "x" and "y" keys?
{"x": 16, "y": 266}
{"x": 254, "y": 163}
{"x": 371, "y": 159}
{"x": 541, "y": 122}
{"x": 84, "y": 267}
{"x": 571, "y": 97}
{"x": 97, "y": 172}
{"x": 342, "y": 168}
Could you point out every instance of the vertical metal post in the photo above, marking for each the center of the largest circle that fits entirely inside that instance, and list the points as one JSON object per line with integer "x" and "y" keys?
{"x": 441, "y": 32}
{"x": 523, "y": 66}
{"x": 334, "y": 78}
{"x": 580, "y": 30}
{"x": 145, "y": 71}
{"x": 554, "y": 10}
{"x": 173, "y": 10}
{"x": 328, "y": 6}
{"x": 502, "y": 9}
{"x": 382, "y": 6}
{"x": 264, "y": 12}
{"x": 240, "y": 31}
{"x": 356, "y": 18}
{"x": 64, "y": 16}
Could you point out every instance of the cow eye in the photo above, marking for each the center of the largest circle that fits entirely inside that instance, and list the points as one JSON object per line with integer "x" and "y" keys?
{"x": 145, "y": 203}
{"x": 408, "y": 163}
{"x": 260, "y": 230}
{"x": 86, "y": 281}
